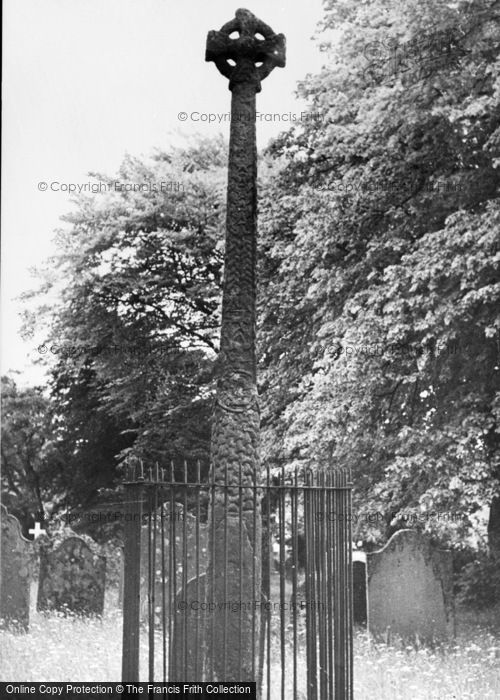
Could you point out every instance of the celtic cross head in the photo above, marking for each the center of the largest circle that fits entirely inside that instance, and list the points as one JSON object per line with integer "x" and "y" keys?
{"x": 245, "y": 50}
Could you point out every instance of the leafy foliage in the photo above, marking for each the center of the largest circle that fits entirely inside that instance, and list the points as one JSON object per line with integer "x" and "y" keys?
{"x": 380, "y": 304}
{"x": 135, "y": 330}
{"x": 30, "y": 460}
{"x": 479, "y": 582}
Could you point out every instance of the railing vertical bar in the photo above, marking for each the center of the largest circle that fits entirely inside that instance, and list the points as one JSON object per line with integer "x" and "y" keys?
{"x": 295, "y": 546}
{"x": 346, "y": 582}
{"x": 132, "y": 580}
{"x": 268, "y": 591}
{"x": 264, "y": 587}
{"x": 254, "y": 549}
{"x": 173, "y": 575}
{"x": 350, "y": 600}
{"x": 310, "y": 565}
{"x": 339, "y": 690}
{"x": 330, "y": 581}
{"x": 349, "y": 621}
{"x": 317, "y": 570}
{"x": 150, "y": 583}
{"x": 322, "y": 598}
{"x": 197, "y": 649}
{"x": 171, "y": 610}
{"x": 342, "y": 579}
{"x": 281, "y": 510}
{"x": 163, "y": 586}
{"x": 346, "y": 597}
{"x": 240, "y": 565}
{"x": 314, "y": 571}
{"x": 153, "y": 599}
{"x": 307, "y": 582}
{"x": 315, "y": 589}
{"x": 224, "y": 632}
{"x": 317, "y": 582}
{"x": 212, "y": 559}
{"x": 336, "y": 587}
{"x": 185, "y": 612}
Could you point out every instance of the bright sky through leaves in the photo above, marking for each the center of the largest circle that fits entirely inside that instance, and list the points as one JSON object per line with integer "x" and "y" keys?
{"x": 86, "y": 81}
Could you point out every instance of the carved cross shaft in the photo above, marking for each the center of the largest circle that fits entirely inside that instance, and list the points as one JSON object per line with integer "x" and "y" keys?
{"x": 234, "y": 571}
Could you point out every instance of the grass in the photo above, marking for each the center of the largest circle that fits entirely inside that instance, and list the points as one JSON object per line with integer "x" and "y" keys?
{"x": 467, "y": 669}
{"x": 69, "y": 648}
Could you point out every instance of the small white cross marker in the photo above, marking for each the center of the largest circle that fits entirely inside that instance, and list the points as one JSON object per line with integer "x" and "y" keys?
{"x": 36, "y": 531}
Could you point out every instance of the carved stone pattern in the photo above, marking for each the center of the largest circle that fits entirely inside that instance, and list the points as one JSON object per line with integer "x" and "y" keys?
{"x": 235, "y": 558}
{"x": 234, "y": 571}
{"x": 235, "y": 428}
{"x": 246, "y": 50}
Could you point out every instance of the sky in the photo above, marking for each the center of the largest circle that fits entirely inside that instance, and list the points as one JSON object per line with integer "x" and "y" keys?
{"x": 87, "y": 81}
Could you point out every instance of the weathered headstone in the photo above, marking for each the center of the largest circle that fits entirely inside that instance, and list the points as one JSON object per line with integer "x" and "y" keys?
{"x": 14, "y": 573}
{"x": 359, "y": 592}
{"x": 410, "y": 592}
{"x": 121, "y": 580}
{"x": 245, "y": 51}
{"x": 188, "y": 630}
{"x": 72, "y": 578}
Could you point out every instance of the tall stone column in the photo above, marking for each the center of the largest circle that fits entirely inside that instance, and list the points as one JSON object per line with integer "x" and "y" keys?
{"x": 234, "y": 570}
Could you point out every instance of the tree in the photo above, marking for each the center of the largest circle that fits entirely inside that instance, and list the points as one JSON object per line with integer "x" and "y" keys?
{"x": 134, "y": 329}
{"x": 29, "y": 454}
{"x": 381, "y": 238}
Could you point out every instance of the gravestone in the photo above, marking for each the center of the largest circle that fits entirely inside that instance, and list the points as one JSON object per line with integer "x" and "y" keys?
{"x": 410, "y": 591}
{"x": 121, "y": 580}
{"x": 189, "y": 630}
{"x": 359, "y": 592}
{"x": 72, "y": 578}
{"x": 182, "y": 528}
{"x": 14, "y": 573}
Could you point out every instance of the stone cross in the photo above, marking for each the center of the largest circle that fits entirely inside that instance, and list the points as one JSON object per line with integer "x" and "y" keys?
{"x": 234, "y": 570}
{"x": 36, "y": 531}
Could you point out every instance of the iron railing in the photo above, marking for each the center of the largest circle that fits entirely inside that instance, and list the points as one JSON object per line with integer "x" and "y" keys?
{"x": 302, "y": 629}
